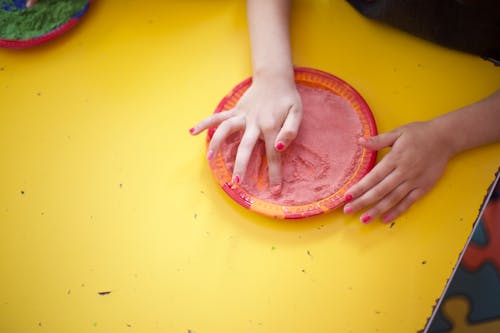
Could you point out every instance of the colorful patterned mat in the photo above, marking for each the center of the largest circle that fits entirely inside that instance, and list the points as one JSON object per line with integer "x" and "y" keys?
{"x": 471, "y": 302}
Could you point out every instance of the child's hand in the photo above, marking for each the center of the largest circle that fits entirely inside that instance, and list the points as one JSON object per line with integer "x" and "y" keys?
{"x": 270, "y": 110}
{"x": 30, "y": 3}
{"x": 417, "y": 160}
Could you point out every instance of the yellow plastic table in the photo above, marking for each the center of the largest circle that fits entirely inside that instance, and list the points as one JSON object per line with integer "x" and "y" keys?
{"x": 110, "y": 219}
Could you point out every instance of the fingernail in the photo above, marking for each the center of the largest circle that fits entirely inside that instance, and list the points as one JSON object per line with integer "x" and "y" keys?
{"x": 348, "y": 198}
{"x": 210, "y": 154}
{"x": 276, "y": 189}
{"x": 348, "y": 209}
{"x": 363, "y": 140}
{"x": 386, "y": 218}
{"x": 236, "y": 179}
{"x": 191, "y": 130}
{"x": 366, "y": 218}
{"x": 280, "y": 145}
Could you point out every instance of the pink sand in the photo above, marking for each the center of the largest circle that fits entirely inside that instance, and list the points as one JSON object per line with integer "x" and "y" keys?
{"x": 320, "y": 160}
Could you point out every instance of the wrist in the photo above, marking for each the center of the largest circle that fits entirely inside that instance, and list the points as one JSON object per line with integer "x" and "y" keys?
{"x": 274, "y": 74}
{"x": 446, "y": 136}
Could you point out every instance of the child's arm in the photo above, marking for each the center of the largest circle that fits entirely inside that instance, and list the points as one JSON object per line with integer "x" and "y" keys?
{"x": 271, "y": 108}
{"x": 419, "y": 154}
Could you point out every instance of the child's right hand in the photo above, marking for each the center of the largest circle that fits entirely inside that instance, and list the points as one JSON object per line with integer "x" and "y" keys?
{"x": 271, "y": 109}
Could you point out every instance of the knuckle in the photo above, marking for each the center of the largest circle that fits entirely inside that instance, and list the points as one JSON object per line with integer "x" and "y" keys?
{"x": 289, "y": 134}
{"x": 273, "y": 160}
{"x": 415, "y": 195}
{"x": 377, "y": 193}
{"x": 387, "y": 204}
{"x": 245, "y": 147}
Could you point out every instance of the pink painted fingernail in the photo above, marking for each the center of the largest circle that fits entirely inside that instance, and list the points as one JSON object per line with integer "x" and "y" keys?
{"x": 386, "y": 218}
{"x": 191, "y": 130}
{"x": 366, "y": 218}
{"x": 210, "y": 154}
{"x": 236, "y": 179}
{"x": 280, "y": 145}
{"x": 348, "y": 209}
{"x": 348, "y": 198}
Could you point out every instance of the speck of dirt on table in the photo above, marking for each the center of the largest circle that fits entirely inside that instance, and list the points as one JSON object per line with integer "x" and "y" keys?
{"x": 303, "y": 270}
{"x": 392, "y": 224}
{"x": 104, "y": 293}
{"x": 273, "y": 248}
{"x": 309, "y": 253}
{"x": 22, "y": 192}
{"x": 424, "y": 262}
{"x": 121, "y": 185}
{"x": 69, "y": 292}
{"x": 42, "y": 213}
{"x": 190, "y": 331}
{"x": 2, "y": 69}
{"x": 39, "y": 324}
{"x": 82, "y": 285}
{"x": 195, "y": 216}
{"x": 39, "y": 94}
{"x": 128, "y": 325}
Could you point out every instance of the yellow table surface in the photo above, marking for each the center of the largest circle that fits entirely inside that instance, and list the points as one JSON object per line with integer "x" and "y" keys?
{"x": 103, "y": 189}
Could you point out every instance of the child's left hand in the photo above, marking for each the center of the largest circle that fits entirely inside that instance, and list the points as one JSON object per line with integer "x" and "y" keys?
{"x": 417, "y": 160}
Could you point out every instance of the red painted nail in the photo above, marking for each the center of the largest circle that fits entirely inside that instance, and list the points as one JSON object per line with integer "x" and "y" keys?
{"x": 280, "y": 145}
{"x": 236, "y": 179}
{"x": 191, "y": 130}
{"x": 366, "y": 219}
{"x": 210, "y": 154}
{"x": 348, "y": 209}
{"x": 348, "y": 198}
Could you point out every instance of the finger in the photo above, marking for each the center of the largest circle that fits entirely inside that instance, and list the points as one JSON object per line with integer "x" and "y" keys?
{"x": 375, "y": 193}
{"x": 245, "y": 149}
{"x": 274, "y": 165}
{"x": 30, "y": 3}
{"x": 380, "y": 141}
{"x": 389, "y": 201}
{"x": 211, "y": 121}
{"x": 403, "y": 205}
{"x": 375, "y": 176}
{"x": 290, "y": 128}
{"x": 225, "y": 128}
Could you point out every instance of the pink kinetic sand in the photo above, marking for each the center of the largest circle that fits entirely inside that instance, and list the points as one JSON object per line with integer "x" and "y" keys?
{"x": 320, "y": 160}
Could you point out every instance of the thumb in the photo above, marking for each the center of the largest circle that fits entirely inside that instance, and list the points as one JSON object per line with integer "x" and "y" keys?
{"x": 380, "y": 141}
